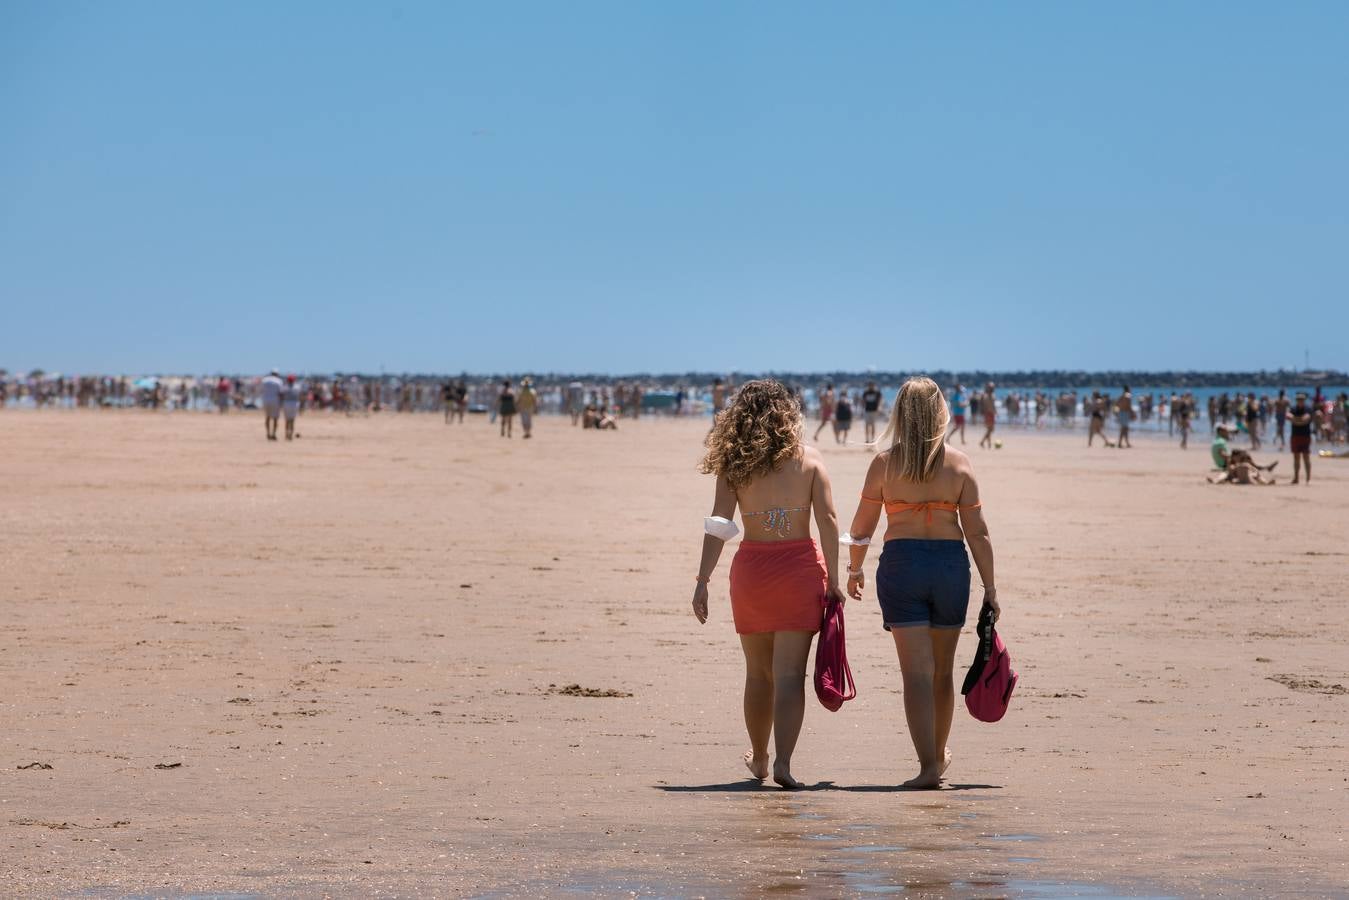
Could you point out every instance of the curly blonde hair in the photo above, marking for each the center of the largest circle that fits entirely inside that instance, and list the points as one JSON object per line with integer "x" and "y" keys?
{"x": 756, "y": 434}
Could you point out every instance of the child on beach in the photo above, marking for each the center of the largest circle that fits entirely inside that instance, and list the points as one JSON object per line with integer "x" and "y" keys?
{"x": 780, "y": 577}
{"x": 931, "y": 501}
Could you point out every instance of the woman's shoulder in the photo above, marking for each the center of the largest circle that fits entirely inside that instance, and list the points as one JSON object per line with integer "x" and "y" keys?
{"x": 958, "y": 460}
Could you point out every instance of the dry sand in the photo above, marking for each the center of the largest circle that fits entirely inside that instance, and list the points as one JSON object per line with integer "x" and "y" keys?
{"x": 347, "y": 653}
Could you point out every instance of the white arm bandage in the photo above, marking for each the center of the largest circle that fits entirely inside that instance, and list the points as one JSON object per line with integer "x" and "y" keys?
{"x": 720, "y": 528}
{"x": 848, "y": 540}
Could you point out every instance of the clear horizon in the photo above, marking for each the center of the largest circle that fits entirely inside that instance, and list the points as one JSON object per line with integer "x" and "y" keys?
{"x": 708, "y": 187}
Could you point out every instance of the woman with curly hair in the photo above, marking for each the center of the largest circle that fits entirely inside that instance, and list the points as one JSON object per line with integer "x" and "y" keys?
{"x": 779, "y": 577}
{"x": 932, "y": 508}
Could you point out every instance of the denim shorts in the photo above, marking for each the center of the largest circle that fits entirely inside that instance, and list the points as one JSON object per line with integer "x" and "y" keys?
{"x": 923, "y": 583}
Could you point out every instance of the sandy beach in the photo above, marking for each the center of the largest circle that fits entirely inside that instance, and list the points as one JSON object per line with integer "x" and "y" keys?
{"x": 399, "y": 658}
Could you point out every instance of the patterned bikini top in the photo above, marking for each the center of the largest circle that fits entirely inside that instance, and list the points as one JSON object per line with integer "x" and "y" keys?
{"x": 777, "y": 520}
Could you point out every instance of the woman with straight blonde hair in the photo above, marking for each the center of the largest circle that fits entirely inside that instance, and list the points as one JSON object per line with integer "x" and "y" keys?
{"x": 780, "y": 577}
{"x": 932, "y": 510}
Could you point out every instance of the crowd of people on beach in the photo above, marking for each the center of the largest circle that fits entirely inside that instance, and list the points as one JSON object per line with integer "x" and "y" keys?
{"x": 601, "y": 404}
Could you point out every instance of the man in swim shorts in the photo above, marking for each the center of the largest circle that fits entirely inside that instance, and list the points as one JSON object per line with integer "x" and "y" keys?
{"x": 1124, "y": 414}
{"x": 871, "y": 406}
{"x": 271, "y": 402}
{"x": 988, "y": 405}
{"x": 826, "y": 409}
{"x": 1300, "y": 435}
{"x": 290, "y": 405}
{"x": 959, "y": 404}
{"x": 1281, "y": 416}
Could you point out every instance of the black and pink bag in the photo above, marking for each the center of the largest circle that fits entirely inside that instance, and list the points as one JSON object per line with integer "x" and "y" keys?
{"x": 990, "y": 681}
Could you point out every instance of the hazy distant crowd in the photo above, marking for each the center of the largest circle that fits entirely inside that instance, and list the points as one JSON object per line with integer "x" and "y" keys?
{"x": 603, "y": 404}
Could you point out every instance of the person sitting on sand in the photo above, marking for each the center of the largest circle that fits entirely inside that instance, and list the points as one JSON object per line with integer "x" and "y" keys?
{"x": 780, "y": 579}
{"x": 931, "y": 501}
{"x": 594, "y": 417}
{"x": 1241, "y": 470}
{"x": 1224, "y": 456}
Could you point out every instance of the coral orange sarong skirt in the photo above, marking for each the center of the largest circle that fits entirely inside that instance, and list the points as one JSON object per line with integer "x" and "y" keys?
{"x": 778, "y": 586}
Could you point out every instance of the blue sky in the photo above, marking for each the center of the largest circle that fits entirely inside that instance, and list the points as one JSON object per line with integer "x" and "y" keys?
{"x": 193, "y": 186}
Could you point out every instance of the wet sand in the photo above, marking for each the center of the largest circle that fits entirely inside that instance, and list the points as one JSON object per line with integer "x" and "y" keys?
{"x": 342, "y": 666}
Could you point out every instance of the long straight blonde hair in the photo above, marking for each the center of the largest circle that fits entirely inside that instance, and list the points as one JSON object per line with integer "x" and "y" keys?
{"x": 916, "y": 433}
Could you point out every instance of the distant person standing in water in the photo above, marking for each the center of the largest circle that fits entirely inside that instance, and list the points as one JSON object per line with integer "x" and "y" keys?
{"x": 988, "y": 404}
{"x": 1253, "y": 420}
{"x": 826, "y": 409}
{"x": 271, "y": 402}
{"x": 506, "y": 408}
{"x": 871, "y": 407}
{"x": 1124, "y": 414}
{"x": 290, "y": 405}
{"x": 1184, "y": 413}
{"x": 780, "y": 577}
{"x": 528, "y": 404}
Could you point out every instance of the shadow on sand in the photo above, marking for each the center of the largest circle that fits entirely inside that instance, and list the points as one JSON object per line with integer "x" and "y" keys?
{"x": 749, "y": 785}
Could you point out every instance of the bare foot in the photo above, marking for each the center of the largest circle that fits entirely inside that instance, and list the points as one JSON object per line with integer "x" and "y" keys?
{"x": 758, "y": 766}
{"x": 924, "y": 781}
{"x": 783, "y": 776}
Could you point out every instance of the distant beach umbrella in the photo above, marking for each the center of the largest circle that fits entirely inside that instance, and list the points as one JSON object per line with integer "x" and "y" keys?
{"x": 149, "y": 382}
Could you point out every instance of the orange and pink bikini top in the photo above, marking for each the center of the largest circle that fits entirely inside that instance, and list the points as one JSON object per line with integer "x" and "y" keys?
{"x": 892, "y": 507}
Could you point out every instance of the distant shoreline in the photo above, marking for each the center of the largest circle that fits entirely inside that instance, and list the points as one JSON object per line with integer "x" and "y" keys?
{"x": 1041, "y": 378}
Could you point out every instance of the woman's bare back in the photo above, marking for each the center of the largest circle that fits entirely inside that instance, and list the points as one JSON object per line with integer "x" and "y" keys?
{"x": 950, "y": 487}
{"x": 777, "y": 506}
